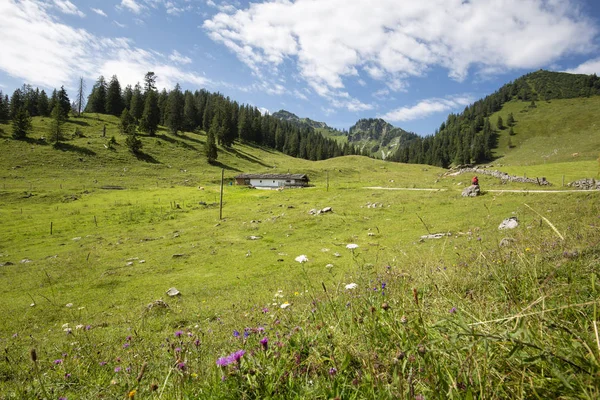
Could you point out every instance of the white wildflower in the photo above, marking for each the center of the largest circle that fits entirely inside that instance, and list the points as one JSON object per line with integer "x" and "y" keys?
{"x": 69, "y": 305}
{"x": 79, "y": 327}
{"x": 301, "y": 259}
{"x": 329, "y": 266}
{"x": 285, "y": 305}
{"x": 351, "y": 286}
{"x": 351, "y": 246}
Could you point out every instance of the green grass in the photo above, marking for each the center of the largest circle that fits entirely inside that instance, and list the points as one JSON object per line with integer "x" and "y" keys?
{"x": 522, "y": 320}
{"x": 556, "y": 131}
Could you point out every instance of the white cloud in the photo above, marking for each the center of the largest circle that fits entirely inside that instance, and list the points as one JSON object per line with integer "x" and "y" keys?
{"x": 589, "y": 67}
{"x": 132, "y": 5}
{"x": 176, "y": 57}
{"x": 330, "y": 41}
{"x": 29, "y": 34}
{"x": 120, "y": 25}
{"x": 427, "y": 107}
{"x": 67, "y": 7}
{"x": 99, "y": 12}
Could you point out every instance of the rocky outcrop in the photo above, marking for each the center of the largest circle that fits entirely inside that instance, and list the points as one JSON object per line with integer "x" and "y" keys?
{"x": 586, "y": 184}
{"x": 471, "y": 191}
{"x": 500, "y": 175}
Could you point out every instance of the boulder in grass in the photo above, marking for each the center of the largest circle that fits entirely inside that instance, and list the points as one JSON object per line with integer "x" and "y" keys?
{"x": 509, "y": 223}
{"x": 471, "y": 191}
{"x": 172, "y": 292}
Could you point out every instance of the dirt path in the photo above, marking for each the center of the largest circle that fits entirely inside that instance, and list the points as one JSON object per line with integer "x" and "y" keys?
{"x": 491, "y": 190}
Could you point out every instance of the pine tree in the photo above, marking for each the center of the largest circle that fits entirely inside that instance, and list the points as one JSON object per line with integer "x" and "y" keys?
{"x": 499, "y": 123}
{"x": 127, "y": 96}
{"x": 510, "y": 120}
{"x": 56, "y": 125}
{"x": 149, "y": 82}
{"x": 189, "y": 112}
{"x": 137, "y": 102}
{"x": 16, "y": 103}
{"x": 4, "y": 109}
{"x": 43, "y": 104}
{"x": 114, "y": 100}
{"x": 63, "y": 102}
{"x": 21, "y": 123}
{"x": 175, "y": 104}
{"x": 127, "y": 123}
{"x": 52, "y": 102}
{"x": 210, "y": 147}
{"x": 151, "y": 115}
{"x": 97, "y": 99}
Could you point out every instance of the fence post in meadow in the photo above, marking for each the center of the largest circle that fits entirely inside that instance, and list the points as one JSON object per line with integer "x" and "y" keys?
{"x": 327, "y": 181}
{"x": 51, "y": 228}
{"x": 221, "y": 201}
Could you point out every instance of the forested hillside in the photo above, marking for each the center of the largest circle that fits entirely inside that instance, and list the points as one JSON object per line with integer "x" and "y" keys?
{"x": 470, "y": 137}
{"x": 143, "y": 108}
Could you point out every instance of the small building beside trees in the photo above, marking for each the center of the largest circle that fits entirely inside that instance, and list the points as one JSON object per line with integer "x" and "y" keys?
{"x": 273, "y": 181}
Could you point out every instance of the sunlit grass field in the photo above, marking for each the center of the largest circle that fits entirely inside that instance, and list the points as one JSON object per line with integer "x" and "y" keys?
{"x": 276, "y": 301}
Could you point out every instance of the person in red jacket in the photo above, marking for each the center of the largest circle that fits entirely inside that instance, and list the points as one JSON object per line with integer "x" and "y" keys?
{"x": 475, "y": 181}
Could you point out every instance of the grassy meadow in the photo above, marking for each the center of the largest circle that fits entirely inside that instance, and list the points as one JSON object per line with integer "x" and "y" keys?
{"x": 277, "y": 302}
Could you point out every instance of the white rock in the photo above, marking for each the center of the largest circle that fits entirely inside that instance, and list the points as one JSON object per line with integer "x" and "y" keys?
{"x": 509, "y": 223}
{"x": 172, "y": 292}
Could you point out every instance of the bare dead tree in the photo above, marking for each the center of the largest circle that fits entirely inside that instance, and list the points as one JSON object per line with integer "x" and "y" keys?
{"x": 80, "y": 101}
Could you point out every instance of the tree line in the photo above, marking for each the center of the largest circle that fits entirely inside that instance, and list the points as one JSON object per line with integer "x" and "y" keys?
{"x": 142, "y": 109}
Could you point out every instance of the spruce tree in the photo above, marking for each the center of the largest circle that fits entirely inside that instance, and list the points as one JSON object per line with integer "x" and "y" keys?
{"x": 21, "y": 123}
{"x": 63, "y": 102}
{"x": 4, "y": 109}
{"x": 127, "y": 123}
{"x": 97, "y": 99}
{"x": 499, "y": 123}
{"x": 16, "y": 102}
{"x": 127, "y": 96}
{"x": 210, "y": 147}
{"x": 189, "y": 112}
{"x": 56, "y": 125}
{"x": 175, "y": 104}
{"x": 137, "y": 102}
{"x": 151, "y": 115}
{"x": 43, "y": 104}
{"x": 114, "y": 100}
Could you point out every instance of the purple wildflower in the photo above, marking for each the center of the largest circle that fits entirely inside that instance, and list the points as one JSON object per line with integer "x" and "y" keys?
{"x": 383, "y": 284}
{"x": 88, "y": 327}
{"x": 197, "y": 342}
{"x": 178, "y": 333}
{"x": 452, "y": 310}
{"x": 128, "y": 338}
{"x": 181, "y": 366}
{"x": 265, "y": 310}
{"x": 235, "y": 333}
{"x": 246, "y": 334}
{"x": 62, "y": 398}
{"x": 223, "y": 361}
{"x": 261, "y": 329}
{"x": 117, "y": 369}
{"x": 177, "y": 349}
{"x": 15, "y": 335}
{"x": 128, "y": 369}
{"x": 265, "y": 343}
{"x": 57, "y": 362}
{"x": 102, "y": 363}
{"x": 125, "y": 345}
{"x": 190, "y": 334}
{"x": 332, "y": 371}
{"x": 238, "y": 355}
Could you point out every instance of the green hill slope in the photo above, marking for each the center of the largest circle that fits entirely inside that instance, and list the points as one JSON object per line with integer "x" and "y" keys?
{"x": 557, "y": 130}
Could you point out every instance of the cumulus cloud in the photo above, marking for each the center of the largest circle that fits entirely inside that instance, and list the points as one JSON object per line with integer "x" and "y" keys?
{"x": 589, "y": 67}
{"x": 99, "y": 12}
{"x": 30, "y": 34}
{"x": 67, "y": 7}
{"x": 179, "y": 59}
{"x": 427, "y": 107}
{"x": 330, "y": 41}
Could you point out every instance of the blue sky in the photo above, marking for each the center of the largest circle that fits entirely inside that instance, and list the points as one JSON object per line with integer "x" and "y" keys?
{"x": 409, "y": 62}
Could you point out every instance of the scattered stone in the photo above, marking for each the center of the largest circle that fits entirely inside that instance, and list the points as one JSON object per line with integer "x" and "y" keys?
{"x": 75, "y": 239}
{"x": 312, "y": 211}
{"x": 436, "y": 235}
{"x": 471, "y": 191}
{"x": 69, "y": 305}
{"x": 5, "y": 264}
{"x": 26, "y": 261}
{"x": 509, "y": 223}
{"x": 202, "y": 203}
{"x": 130, "y": 263}
{"x": 178, "y": 255}
{"x": 157, "y": 304}
{"x": 326, "y": 210}
{"x": 176, "y": 235}
{"x": 252, "y": 237}
{"x": 586, "y": 184}
{"x": 172, "y": 292}
{"x": 132, "y": 259}
{"x": 142, "y": 261}
{"x": 506, "y": 242}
